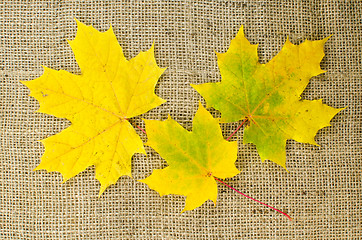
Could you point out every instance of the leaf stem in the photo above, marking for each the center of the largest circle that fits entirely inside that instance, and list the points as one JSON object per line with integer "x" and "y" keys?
{"x": 254, "y": 199}
{"x": 141, "y": 129}
{"x": 138, "y": 127}
{"x": 237, "y": 129}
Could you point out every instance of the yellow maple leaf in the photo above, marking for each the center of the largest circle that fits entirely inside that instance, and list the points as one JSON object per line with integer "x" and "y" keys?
{"x": 98, "y": 103}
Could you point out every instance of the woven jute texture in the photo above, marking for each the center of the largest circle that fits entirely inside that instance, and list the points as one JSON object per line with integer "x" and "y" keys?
{"x": 322, "y": 191}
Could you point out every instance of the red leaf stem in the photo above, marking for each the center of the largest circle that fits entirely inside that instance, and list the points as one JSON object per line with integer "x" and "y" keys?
{"x": 141, "y": 129}
{"x": 138, "y": 127}
{"x": 254, "y": 199}
{"x": 237, "y": 129}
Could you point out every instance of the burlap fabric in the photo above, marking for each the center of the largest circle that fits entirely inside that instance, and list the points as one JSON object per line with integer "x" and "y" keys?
{"x": 322, "y": 192}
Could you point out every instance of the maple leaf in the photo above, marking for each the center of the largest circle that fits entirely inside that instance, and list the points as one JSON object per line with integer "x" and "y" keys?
{"x": 98, "y": 103}
{"x": 267, "y": 96}
{"x": 194, "y": 158}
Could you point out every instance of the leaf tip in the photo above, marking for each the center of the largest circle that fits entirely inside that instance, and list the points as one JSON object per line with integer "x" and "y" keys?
{"x": 214, "y": 201}
{"x": 284, "y": 166}
{"x": 79, "y": 23}
{"x": 287, "y": 41}
{"x": 152, "y": 49}
{"x": 341, "y": 109}
{"x": 69, "y": 42}
{"x": 64, "y": 179}
{"x": 183, "y": 210}
{"x": 217, "y": 54}
{"x": 44, "y": 67}
{"x": 195, "y": 86}
{"x": 37, "y": 168}
{"x": 100, "y": 193}
{"x": 104, "y": 186}
{"x": 241, "y": 30}
{"x": 164, "y": 69}
{"x": 143, "y": 152}
{"x": 324, "y": 40}
{"x": 200, "y": 105}
{"x": 142, "y": 180}
{"x": 22, "y": 82}
{"x": 110, "y": 27}
{"x": 162, "y": 101}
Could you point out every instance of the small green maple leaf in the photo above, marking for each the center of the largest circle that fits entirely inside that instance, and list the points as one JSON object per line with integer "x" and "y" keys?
{"x": 267, "y": 95}
{"x": 194, "y": 158}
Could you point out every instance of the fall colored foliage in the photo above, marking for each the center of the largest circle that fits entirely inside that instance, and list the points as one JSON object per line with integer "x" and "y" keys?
{"x": 267, "y": 95}
{"x": 98, "y": 103}
{"x": 111, "y": 89}
{"x": 194, "y": 158}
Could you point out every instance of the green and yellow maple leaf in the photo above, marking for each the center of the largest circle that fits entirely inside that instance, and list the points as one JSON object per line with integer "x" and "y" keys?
{"x": 98, "y": 103}
{"x": 194, "y": 158}
{"x": 268, "y": 95}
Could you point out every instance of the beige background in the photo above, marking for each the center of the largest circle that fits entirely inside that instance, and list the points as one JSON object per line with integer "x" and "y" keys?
{"x": 322, "y": 192}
